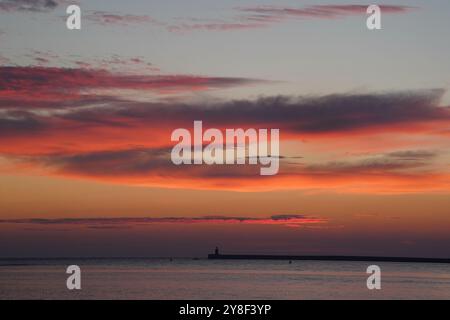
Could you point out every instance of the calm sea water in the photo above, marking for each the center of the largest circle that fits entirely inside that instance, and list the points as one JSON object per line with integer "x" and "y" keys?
{"x": 215, "y": 279}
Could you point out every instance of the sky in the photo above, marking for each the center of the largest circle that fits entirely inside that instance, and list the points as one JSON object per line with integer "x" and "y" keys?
{"x": 86, "y": 118}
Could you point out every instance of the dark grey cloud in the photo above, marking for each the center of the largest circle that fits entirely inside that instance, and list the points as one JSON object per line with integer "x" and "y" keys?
{"x": 135, "y": 161}
{"x": 20, "y": 123}
{"x": 296, "y": 114}
{"x": 28, "y": 5}
{"x": 383, "y": 163}
{"x": 413, "y": 155}
{"x": 292, "y": 115}
{"x": 139, "y": 162}
{"x": 367, "y": 166}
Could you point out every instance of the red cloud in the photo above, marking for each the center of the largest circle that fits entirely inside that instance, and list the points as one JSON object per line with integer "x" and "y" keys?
{"x": 128, "y": 141}
{"x": 30, "y": 86}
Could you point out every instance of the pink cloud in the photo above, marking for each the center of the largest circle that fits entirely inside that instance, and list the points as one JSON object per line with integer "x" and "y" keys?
{"x": 264, "y": 16}
{"x": 275, "y": 13}
{"x": 37, "y": 84}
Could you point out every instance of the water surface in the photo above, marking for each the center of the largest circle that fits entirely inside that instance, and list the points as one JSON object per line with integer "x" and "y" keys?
{"x": 219, "y": 279}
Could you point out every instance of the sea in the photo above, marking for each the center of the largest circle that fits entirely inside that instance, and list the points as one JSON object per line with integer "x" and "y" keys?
{"x": 203, "y": 279}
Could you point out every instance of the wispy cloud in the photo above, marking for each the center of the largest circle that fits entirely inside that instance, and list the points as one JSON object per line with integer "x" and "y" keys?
{"x": 28, "y": 5}
{"x": 249, "y": 17}
{"x": 252, "y": 17}
{"x": 109, "y": 18}
{"x": 4, "y": 60}
{"x": 279, "y": 13}
{"x": 413, "y": 155}
{"x": 282, "y": 220}
{"x": 214, "y": 26}
{"x": 30, "y": 86}
{"x": 377, "y": 165}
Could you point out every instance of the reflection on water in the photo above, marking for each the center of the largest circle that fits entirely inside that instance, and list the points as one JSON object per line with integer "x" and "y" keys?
{"x": 216, "y": 279}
